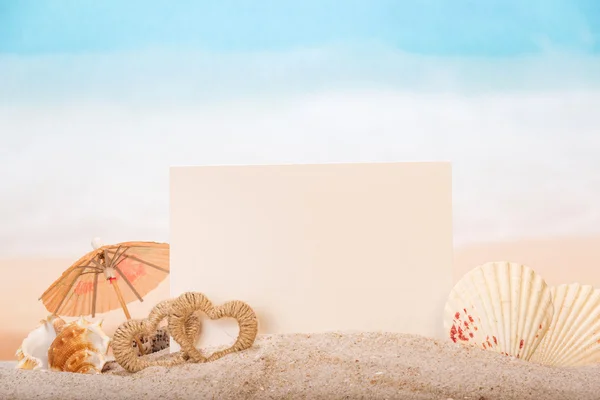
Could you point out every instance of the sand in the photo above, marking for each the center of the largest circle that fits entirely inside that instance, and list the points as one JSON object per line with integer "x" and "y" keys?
{"x": 324, "y": 366}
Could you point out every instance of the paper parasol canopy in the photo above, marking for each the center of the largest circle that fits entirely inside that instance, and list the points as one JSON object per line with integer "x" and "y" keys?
{"x": 108, "y": 278}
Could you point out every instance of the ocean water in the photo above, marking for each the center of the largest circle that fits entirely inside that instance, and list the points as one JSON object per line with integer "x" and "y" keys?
{"x": 94, "y": 161}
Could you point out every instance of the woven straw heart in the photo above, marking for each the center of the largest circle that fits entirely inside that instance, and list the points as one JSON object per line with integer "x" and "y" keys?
{"x": 183, "y": 326}
{"x": 122, "y": 343}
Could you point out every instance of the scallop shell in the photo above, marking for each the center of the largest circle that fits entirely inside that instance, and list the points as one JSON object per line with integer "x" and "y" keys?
{"x": 573, "y": 338}
{"x": 80, "y": 347}
{"x": 500, "y": 306}
{"x": 33, "y": 353}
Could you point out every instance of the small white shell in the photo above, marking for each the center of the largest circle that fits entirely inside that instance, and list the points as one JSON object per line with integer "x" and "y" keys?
{"x": 500, "y": 306}
{"x": 573, "y": 338}
{"x": 33, "y": 353}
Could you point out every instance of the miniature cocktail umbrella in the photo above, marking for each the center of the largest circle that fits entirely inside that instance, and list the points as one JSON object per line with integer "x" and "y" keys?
{"x": 107, "y": 278}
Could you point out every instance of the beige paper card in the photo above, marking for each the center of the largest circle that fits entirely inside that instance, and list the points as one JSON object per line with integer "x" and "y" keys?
{"x": 314, "y": 248}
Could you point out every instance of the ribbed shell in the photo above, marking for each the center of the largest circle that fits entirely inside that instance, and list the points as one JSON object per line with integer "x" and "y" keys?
{"x": 573, "y": 338}
{"x": 500, "y": 306}
{"x": 73, "y": 350}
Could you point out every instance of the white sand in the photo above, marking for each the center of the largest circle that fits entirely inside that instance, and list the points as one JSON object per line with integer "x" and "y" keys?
{"x": 324, "y": 366}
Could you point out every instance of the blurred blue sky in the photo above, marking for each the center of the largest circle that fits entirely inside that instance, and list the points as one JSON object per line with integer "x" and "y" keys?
{"x": 440, "y": 27}
{"x": 91, "y": 90}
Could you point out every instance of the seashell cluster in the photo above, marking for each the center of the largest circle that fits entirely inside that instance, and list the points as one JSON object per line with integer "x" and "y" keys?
{"x": 508, "y": 308}
{"x": 80, "y": 347}
{"x": 33, "y": 353}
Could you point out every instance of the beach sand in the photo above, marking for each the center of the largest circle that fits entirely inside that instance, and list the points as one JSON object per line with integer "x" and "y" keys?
{"x": 324, "y": 366}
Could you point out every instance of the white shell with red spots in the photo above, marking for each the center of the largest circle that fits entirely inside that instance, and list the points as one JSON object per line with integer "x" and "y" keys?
{"x": 573, "y": 338}
{"x": 500, "y": 306}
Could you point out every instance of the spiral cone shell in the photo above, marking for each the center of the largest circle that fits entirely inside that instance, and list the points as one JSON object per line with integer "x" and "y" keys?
{"x": 80, "y": 347}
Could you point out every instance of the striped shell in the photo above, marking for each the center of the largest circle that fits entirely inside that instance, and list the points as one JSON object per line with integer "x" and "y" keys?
{"x": 500, "y": 306}
{"x": 81, "y": 347}
{"x": 573, "y": 338}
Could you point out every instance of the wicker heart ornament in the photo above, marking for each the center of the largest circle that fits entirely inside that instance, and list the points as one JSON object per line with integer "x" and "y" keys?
{"x": 184, "y": 326}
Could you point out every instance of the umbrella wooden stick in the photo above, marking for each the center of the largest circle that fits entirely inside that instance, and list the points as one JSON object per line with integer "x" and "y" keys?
{"x": 120, "y": 295}
{"x": 126, "y": 311}
{"x": 121, "y": 300}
